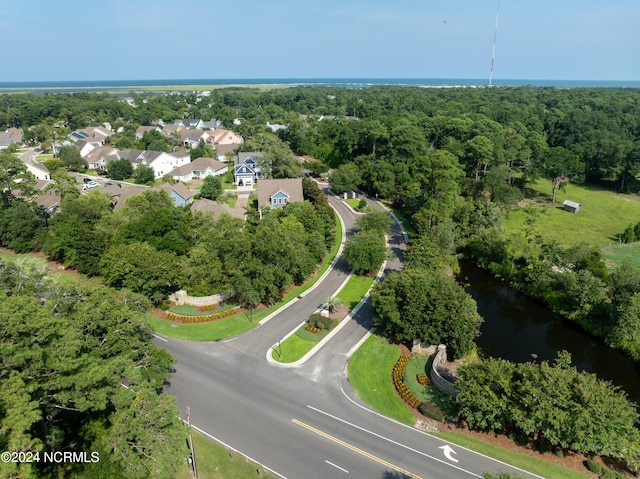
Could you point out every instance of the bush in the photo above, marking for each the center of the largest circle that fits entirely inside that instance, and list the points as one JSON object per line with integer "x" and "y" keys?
{"x": 164, "y": 306}
{"x": 594, "y": 466}
{"x": 316, "y": 320}
{"x": 609, "y": 474}
{"x": 423, "y": 379}
{"x": 431, "y": 410}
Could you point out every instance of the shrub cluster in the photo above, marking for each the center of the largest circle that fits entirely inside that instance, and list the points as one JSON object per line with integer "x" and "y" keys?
{"x": 318, "y": 321}
{"x": 429, "y": 409}
{"x": 313, "y": 329}
{"x": 423, "y": 379}
{"x": 200, "y": 319}
{"x": 208, "y": 307}
{"x": 594, "y": 466}
{"x": 397, "y": 375}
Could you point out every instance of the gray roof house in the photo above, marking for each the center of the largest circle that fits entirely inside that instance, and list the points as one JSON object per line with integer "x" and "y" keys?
{"x": 278, "y": 193}
{"x": 199, "y": 168}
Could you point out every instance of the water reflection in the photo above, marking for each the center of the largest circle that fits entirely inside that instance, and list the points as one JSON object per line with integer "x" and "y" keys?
{"x": 519, "y": 329}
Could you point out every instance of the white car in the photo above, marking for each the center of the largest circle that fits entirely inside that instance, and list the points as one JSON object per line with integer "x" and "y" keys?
{"x": 90, "y": 184}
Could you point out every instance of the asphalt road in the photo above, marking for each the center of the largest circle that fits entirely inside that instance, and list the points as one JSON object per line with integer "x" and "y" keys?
{"x": 307, "y": 422}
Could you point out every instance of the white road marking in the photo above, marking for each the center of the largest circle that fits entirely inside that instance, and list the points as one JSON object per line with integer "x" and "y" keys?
{"x": 392, "y": 441}
{"x": 336, "y": 466}
{"x": 235, "y": 450}
{"x": 448, "y": 450}
{"x": 159, "y": 337}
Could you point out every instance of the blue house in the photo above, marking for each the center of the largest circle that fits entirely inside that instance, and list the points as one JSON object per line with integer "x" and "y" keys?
{"x": 279, "y": 193}
{"x": 246, "y": 170}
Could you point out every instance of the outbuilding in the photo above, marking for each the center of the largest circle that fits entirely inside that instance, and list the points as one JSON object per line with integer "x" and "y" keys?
{"x": 571, "y": 206}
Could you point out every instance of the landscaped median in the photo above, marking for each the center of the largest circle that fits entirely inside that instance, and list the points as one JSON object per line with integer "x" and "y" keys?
{"x": 295, "y": 346}
{"x": 238, "y": 324}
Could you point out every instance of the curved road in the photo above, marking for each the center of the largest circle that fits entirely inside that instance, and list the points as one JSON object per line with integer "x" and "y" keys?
{"x": 307, "y": 422}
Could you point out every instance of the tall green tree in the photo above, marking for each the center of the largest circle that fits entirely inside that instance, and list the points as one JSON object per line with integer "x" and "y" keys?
{"x": 560, "y": 166}
{"x": 365, "y": 251}
{"x": 15, "y": 179}
{"x": 70, "y": 156}
{"x": 144, "y": 175}
{"x": 418, "y": 304}
{"x": 119, "y": 169}
{"x": 211, "y": 187}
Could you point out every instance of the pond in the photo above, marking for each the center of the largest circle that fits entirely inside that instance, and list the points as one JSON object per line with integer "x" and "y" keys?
{"x": 518, "y": 329}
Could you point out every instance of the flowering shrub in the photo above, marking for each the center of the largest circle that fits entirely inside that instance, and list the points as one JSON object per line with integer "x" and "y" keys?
{"x": 208, "y": 307}
{"x": 201, "y": 319}
{"x": 423, "y": 379}
{"x": 313, "y": 329}
{"x": 397, "y": 375}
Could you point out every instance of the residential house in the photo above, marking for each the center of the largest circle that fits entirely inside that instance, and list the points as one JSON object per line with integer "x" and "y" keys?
{"x": 98, "y": 157}
{"x": 179, "y": 193}
{"x": 275, "y": 127}
{"x": 93, "y": 134}
{"x": 160, "y": 161}
{"x": 189, "y": 123}
{"x": 246, "y": 170}
{"x": 220, "y": 136}
{"x": 36, "y": 168}
{"x": 225, "y": 152}
{"x": 199, "y": 168}
{"x": 49, "y": 201}
{"x": 278, "y": 193}
{"x": 141, "y": 130}
{"x": 212, "y": 124}
{"x": 11, "y": 135}
{"x": 119, "y": 193}
{"x": 191, "y": 137}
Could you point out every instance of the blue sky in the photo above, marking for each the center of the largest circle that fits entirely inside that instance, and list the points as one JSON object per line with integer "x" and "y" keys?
{"x": 67, "y": 40}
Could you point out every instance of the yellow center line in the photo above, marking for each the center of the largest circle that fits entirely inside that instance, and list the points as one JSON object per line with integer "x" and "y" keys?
{"x": 355, "y": 449}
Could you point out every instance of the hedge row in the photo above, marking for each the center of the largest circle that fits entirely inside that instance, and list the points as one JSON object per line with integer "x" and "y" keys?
{"x": 209, "y": 307}
{"x": 397, "y": 375}
{"x": 201, "y": 319}
{"x": 431, "y": 410}
{"x": 423, "y": 379}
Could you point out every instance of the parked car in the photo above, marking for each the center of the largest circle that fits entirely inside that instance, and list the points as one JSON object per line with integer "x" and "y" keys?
{"x": 90, "y": 184}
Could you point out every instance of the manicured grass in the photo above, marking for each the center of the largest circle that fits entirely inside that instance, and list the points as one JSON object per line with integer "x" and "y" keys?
{"x": 370, "y": 375}
{"x": 354, "y": 290}
{"x": 603, "y": 214}
{"x": 189, "y": 310}
{"x": 303, "y": 340}
{"x": 422, "y": 364}
{"x": 234, "y": 325}
{"x": 294, "y": 348}
{"x": 528, "y": 463}
{"x": 215, "y": 461}
{"x": 214, "y": 331}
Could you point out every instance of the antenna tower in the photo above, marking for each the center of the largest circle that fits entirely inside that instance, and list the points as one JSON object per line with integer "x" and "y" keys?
{"x": 493, "y": 53}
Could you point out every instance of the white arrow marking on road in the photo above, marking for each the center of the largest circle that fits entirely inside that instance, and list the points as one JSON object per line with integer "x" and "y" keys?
{"x": 448, "y": 451}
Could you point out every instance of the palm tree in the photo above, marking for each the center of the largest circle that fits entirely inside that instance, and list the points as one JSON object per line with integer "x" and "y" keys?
{"x": 331, "y": 302}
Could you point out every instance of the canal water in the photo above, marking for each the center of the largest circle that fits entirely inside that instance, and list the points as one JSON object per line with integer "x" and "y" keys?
{"x": 518, "y": 329}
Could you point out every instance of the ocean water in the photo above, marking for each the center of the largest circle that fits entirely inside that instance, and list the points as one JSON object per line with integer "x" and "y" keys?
{"x": 128, "y": 85}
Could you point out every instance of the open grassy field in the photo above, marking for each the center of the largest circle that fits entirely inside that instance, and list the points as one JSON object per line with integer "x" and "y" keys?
{"x": 603, "y": 216}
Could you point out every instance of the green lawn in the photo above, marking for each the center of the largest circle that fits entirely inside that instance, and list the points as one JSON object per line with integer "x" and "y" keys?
{"x": 422, "y": 364}
{"x": 615, "y": 255}
{"x": 523, "y": 461}
{"x": 297, "y": 345}
{"x": 370, "y": 375}
{"x": 215, "y": 461}
{"x": 354, "y": 290}
{"x": 603, "y": 214}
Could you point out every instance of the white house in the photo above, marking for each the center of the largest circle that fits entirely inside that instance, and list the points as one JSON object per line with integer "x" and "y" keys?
{"x": 199, "y": 168}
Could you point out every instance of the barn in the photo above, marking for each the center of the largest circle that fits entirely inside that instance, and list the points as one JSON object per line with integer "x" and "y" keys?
{"x": 571, "y": 206}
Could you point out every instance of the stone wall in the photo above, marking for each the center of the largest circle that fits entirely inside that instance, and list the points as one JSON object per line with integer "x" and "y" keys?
{"x": 438, "y": 381}
{"x": 181, "y": 297}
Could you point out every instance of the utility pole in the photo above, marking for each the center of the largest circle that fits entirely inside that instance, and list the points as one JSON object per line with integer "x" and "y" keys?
{"x": 193, "y": 453}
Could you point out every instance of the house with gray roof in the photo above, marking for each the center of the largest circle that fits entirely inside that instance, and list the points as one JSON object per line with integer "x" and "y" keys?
{"x": 246, "y": 169}
{"x": 199, "y": 168}
{"x": 216, "y": 209}
{"x": 179, "y": 193}
{"x": 279, "y": 193}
